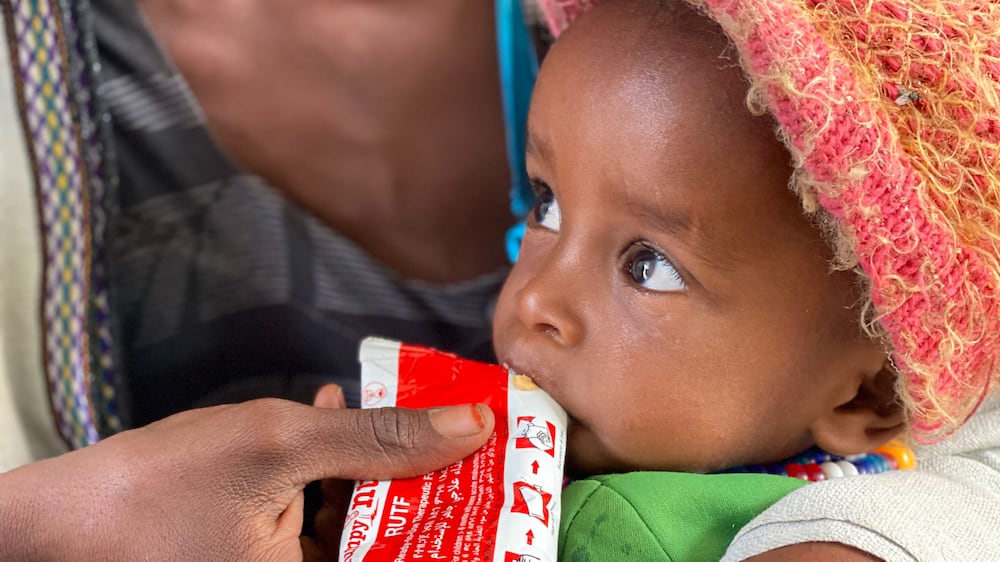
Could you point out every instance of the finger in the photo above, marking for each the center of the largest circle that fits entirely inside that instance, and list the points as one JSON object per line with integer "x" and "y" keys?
{"x": 330, "y": 396}
{"x": 386, "y": 443}
{"x": 289, "y": 523}
{"x": 329, "y": 520}
{"x": 329, "y": 524}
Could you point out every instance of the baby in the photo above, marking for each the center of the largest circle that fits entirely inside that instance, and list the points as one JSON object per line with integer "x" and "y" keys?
{"x": 691, "y": 312}
{"x": 670, "y": 293}
{"x": 702, "y": 295}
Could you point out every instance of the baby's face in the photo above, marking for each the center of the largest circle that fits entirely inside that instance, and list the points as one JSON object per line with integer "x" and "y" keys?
{"x": 669, "y": 293}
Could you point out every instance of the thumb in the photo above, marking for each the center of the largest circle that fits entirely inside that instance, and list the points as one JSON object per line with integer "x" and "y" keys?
{"x": 386, "y": 443}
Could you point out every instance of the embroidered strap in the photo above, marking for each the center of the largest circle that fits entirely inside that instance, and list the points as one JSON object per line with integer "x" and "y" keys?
{"x": 63, "y": 181}
{"x": 101, "y": 160}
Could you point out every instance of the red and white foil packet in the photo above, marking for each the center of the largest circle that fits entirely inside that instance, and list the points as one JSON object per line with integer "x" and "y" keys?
{"x": 500, "y": 504}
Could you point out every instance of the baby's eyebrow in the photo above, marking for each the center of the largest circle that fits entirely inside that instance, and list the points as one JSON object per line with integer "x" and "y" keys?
{"x": 708, "y": 248}
{"x": 671, "y": 222}
{"x": 537, "y": 145}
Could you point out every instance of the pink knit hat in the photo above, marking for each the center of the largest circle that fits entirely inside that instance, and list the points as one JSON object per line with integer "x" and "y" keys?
{"x": 891, "y": 110}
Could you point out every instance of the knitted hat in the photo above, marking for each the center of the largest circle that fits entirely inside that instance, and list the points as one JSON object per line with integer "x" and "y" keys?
{"x": 891, "y": 111}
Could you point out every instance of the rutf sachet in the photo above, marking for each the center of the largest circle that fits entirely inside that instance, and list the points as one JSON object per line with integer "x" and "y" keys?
{"x": 500, "y": 504}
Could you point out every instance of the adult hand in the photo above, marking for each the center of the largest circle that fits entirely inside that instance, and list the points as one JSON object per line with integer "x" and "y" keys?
{"x": 222, "y": 483}
{"x": 329, "y": 520}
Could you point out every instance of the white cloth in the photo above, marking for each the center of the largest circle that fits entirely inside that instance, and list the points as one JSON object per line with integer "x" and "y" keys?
{"x": 946, "y": 510}
{"x": 27, "y": 429}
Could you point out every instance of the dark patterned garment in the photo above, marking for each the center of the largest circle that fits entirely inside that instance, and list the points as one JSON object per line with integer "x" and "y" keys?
{"x": 224, "y": 290}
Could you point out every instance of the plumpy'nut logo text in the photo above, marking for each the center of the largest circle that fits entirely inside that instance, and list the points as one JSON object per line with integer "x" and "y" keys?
{"x": 361, "y": 517}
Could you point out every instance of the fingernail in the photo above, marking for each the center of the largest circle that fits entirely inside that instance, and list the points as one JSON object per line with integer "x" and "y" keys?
{"x": 458, "y": 421}
{"x": 330, "y": 396}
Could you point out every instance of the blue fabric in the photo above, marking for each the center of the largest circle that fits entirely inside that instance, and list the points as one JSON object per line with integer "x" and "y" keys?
{"x": 518, "y": 69}
{"x": 514, "y": 236}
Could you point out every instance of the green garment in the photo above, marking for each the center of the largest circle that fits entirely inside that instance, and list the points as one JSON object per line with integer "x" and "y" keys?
{"x": 669, "y": 516}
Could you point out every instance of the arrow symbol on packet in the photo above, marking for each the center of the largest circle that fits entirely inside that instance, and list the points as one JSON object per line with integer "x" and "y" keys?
{"x": 534, "y": 467}
{"x": 530, "y": 537}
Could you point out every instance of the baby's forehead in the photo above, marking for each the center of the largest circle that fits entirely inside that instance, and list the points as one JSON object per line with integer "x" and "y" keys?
{"x": 654, "y": 65}
{"x": 672, "y": 49}
{"x": 653, "y": 104}
{"x": 648, "y": 31}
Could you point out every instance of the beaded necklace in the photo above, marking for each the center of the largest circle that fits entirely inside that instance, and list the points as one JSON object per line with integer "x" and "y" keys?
{"x": 816, "y": 465}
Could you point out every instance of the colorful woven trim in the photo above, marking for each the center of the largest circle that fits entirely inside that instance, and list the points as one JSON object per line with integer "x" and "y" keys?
{"x": 63, "y": 182}
{"x": 95, "y": 130}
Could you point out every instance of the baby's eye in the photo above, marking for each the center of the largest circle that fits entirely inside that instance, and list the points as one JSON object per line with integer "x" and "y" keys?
{"x": 653, "y": 270}
{"x": 546, "y": 211}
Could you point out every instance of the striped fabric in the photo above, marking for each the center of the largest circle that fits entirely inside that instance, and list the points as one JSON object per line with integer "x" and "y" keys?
{"x": 223, "y": 289}
{"x": 214, "y": 288}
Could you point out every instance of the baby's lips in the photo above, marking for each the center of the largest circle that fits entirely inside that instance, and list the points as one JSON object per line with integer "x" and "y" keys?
{"x": 520, "y": 380}
{"x": 524, "y": 382}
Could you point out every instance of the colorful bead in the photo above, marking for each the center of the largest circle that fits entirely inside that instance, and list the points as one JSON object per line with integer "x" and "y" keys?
{"x": 848, "y": 468}
{"x": 814, "y": 472}
{"x": 864, "y": 465}
{"x": 879, "y": 461}
{"x": 900, "y": 452}
{"x": 832, "y": 470}
{"x": 816, "y": 465}
{"x": 820, "y": 456}
{"x": 891, "y": 461}
{"x": 796, "y": 470}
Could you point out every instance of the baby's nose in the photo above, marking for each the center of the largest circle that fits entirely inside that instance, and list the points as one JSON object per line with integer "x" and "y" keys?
{"x": 547, "y": 306}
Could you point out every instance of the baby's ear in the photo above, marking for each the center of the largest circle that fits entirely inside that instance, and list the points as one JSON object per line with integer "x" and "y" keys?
{"x": 870, "y": 418}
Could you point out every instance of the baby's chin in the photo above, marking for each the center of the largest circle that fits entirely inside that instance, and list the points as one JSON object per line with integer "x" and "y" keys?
{"x": 586, "y": 456}
{"x": 580, "y": 452}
